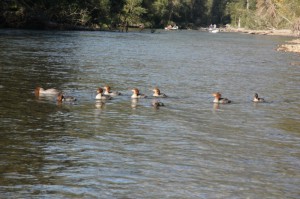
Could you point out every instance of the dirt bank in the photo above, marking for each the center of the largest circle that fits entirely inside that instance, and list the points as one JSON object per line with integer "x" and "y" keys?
{"x": 290, "y": 46}
{"x": 283, "y": 32}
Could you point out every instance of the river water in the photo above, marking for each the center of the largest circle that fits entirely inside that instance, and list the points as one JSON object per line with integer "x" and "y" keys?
{"x": 190, "y": 148}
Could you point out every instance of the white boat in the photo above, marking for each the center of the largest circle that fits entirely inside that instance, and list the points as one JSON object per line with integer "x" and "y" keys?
{"x": 169, "y": 27}
{"x": 213, "y": 30}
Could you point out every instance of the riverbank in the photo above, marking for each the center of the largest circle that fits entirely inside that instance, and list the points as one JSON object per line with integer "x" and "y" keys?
{"x": 290, "y": 46}
{"x": 282, "y": 32}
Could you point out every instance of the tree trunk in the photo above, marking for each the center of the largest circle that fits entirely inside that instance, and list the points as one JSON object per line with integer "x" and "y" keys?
{"x": 247, "y": 5}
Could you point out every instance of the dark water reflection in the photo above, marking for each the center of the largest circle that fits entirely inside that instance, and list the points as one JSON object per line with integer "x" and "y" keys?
{"x": 190, "y": 148}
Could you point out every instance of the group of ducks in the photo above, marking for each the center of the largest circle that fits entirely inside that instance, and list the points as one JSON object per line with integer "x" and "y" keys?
{"x": 107, "y": 94}
{"x": 218, "y": 99}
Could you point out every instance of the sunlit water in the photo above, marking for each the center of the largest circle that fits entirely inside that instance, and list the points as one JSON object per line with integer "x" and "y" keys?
{"x": 190, "y": 148}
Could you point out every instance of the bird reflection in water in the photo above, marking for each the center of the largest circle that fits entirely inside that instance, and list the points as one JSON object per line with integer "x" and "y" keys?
{"x": 134, "y": 102}
{"x": 99, "y": 104}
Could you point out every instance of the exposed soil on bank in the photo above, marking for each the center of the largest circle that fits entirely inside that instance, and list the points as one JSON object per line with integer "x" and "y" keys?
{"x": 283, "y": 32}
{"x": 290, "y": 46}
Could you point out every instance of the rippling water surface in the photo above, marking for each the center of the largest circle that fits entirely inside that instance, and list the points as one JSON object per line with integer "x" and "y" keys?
{"x": 190, "y": 148}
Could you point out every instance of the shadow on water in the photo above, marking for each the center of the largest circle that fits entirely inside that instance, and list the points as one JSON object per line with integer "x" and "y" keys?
{"x": 28, "y": 59}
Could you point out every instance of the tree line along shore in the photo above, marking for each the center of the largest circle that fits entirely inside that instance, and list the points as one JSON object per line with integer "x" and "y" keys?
{"x": 122, "y": 14}
{"x": 272, "y": 17}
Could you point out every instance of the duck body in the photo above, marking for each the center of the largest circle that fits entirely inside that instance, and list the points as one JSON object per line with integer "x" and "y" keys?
{"x": 62, "y": 98}
{"x": 162, "y": 95}
{"x": 157, "y": 104}
{"x": 69, "y": 99}
{"x": 40, "y": 91}
{"x": 220, "y": 100}
{"x": 109, "y": 92}
{"x": 257, "y": 99}
{"x": 101, "y": 96}
{"x": 112, "y": 93}
{"x": 136, "y": 94}
{"x": 157, "y": 93}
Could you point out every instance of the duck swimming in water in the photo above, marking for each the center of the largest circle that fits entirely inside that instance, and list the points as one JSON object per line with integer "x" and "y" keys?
{"x": 156, "y": 103}
{"x": 101, "y": 96}
{"x": 109, "y": 92}
{"x": 136, "y": 94}
{"x": 220, "y": 100}
{"x": 157, "y": 93}
{"x": 62, "y": 98}
{"x": 258, "y": 99}
{"x": 40, "y": 91}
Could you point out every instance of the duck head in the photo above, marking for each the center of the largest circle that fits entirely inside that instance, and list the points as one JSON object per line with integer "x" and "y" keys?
{"x": 135, "y": 91}
{"x": 100, "y": 90}
{"x": 37, "y": 91}
{"x": 107, "y": 88}
{"x": 156, "y": 91}
{"x": 60, "y": 97}
{"x": 217, "y": 95}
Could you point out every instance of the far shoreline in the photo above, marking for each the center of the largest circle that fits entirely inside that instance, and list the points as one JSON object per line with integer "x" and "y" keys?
{"x": 290, "y": 46}
{"x": 275, "y": 32}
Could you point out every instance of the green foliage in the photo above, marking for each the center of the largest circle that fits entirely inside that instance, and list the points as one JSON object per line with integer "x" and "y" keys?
{"x": 241, "y": 14}
{"x": 161, "y": 11}
{"x": 218, "y": 11}
{"x": 131, "y": 13}
{"x": 264, "y": 14}
{"x": 112, "y": 14}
